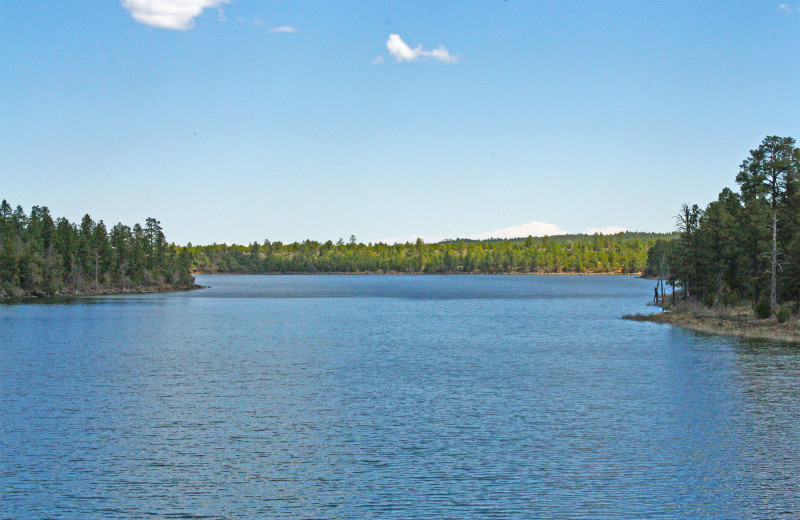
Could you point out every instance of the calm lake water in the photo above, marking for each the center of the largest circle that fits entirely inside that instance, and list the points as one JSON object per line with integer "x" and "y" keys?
{"x": 390, "y": 397}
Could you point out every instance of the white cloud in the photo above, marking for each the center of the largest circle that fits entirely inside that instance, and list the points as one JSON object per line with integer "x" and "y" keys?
{"x": 402, "y": 52}
{"x": 398, "y": 48}
{"x": 608, "y": 230}
{"x": 788, "y": 8}
{"x": 378, "y": 61}
{"x": 536, "y": 229}
{"x": 441, "y": 54}
{"x": 284, "y": 29}
{"x": 169, "y": 14}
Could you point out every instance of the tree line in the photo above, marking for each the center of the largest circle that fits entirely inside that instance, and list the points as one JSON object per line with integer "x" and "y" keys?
{"x": 40, "y": 255}
{"x": 620, "y": 253}
{"x": 745, "y": 246}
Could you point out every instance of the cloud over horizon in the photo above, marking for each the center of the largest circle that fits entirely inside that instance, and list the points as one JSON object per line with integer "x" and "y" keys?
{"x": 402, "y": 52}
{"x": 169, "y": 14}
{"x": 536, "y": 229}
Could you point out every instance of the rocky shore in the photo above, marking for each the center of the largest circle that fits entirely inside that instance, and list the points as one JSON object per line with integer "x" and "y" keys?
{"x": 731, "y": 321}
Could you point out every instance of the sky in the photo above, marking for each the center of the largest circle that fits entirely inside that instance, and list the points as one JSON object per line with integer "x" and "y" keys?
{"x": 233, "y": 121}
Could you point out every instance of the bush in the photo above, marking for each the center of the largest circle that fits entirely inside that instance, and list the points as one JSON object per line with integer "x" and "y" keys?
{"x": 762, "y": 309}
{"x": 783, "y": 314}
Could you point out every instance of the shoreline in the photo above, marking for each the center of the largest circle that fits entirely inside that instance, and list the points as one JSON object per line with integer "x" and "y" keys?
{"x": 734, "y": 322}
{"x": 37, "y": 296}
{"x": 413, "y": 273}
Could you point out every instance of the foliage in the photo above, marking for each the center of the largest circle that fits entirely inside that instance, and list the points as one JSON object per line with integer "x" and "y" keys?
{"x": 770, "y": 175}
{"x": 657, "y": 265}
{"x": 40, "y": 255}
{"x": 620, "y": 253}
{"x": 762, "y": 310}
{"x": 744, "y": 246}
{"x": 783, "y": 314}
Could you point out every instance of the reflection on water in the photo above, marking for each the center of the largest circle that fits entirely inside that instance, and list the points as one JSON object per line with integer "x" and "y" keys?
{"x": 398, "y": 397}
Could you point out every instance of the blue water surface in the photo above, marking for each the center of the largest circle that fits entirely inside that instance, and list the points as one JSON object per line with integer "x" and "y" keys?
{"x": 390, "y": 397}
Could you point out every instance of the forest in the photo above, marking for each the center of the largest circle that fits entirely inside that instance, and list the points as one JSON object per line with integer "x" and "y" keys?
{"x": 42, "y": 256}
{"x": 620, "y": 253}
{"x": 744, "y": 246}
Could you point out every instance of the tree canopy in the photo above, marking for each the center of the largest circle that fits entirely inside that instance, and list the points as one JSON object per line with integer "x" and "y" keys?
{"x": 620, "y": 253}
{"x": 44, "y": 256}
{"x": 746, "y": 244}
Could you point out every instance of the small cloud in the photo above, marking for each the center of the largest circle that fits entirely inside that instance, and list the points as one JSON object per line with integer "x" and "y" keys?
{"x": 441, "y": 54}
{"x": 788, "y": 8}
{"x": 221, "y": 15}
{"x": 608, "y": 230}
{"x": 378, "y": 61}
{"x": 536, "y": 229}
{"x": 169, "y": 14}
{"x": 283, "y": 29}
{"x": 402, "y": 52}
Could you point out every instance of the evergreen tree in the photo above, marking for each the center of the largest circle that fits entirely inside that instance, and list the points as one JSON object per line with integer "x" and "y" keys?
{"x": 41, "y": 256}
{"x": 769, "y": 174}
{"x": 745, "y": 245}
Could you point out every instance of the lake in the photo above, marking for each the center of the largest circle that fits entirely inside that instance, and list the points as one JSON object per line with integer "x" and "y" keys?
{"x": 390, "y": 397}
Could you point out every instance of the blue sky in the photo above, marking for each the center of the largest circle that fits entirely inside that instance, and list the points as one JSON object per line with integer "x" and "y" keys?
{"x": 241, "y": 120}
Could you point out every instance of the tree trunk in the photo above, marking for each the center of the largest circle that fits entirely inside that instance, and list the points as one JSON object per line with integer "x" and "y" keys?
{"x": 773, "y": 296}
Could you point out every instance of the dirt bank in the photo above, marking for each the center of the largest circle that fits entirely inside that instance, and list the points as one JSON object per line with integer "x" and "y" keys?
{"x": 739, "y": 322}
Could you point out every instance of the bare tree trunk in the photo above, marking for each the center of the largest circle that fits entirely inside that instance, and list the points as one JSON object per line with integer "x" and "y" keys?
{"x": 773, "y": 296}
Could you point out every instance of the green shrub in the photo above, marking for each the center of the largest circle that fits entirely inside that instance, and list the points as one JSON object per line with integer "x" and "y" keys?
{"x": 762, "y": 309}
{"x": 783, "y": 314}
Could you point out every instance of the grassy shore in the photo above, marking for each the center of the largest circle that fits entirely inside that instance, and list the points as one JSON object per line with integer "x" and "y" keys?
{"x": 738, "y": 321}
